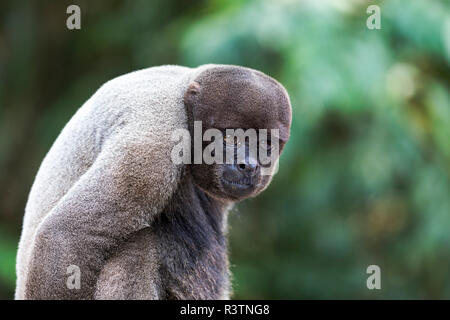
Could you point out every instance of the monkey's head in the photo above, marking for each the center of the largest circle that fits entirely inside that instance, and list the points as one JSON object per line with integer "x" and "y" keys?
{"x": 232, "y": 97}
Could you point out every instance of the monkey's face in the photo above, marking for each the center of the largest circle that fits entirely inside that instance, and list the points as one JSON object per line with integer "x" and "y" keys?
{"x": 239, "y": 178}
{"x": 227, "y": 98}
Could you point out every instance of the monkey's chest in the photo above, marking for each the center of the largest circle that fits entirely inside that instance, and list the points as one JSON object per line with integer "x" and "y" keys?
{"x": 193, "y": 262}
{"x": 191, "y": 272}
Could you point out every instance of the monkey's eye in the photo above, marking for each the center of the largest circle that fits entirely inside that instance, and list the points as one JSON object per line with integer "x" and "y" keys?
{"x": 231, "y": 140}
{"x": 266, "y": 145}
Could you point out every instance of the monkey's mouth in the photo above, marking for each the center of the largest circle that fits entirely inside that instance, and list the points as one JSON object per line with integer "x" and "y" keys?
{"x": 239, "y": 185}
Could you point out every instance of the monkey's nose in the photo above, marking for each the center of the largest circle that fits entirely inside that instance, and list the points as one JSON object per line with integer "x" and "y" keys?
{"x": 248, "y": 169}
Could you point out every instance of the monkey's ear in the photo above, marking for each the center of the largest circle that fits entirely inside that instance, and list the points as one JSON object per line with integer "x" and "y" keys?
{"x": 193, "y": 89}
{"x": 191, "y": 96}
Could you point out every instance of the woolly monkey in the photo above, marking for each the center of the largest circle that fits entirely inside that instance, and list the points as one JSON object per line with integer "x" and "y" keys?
{"x": 109, "y": 200}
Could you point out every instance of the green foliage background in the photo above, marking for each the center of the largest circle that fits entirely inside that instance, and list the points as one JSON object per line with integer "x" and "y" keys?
{"x": 365, "y": 178}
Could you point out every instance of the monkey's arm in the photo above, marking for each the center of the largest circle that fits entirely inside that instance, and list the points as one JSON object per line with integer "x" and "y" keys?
{"x": 81, "y": 230}
{"x": 110, "y": 202}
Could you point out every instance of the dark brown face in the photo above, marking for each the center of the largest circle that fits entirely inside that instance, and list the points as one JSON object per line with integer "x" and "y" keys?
{"x": 232, "y": 97}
